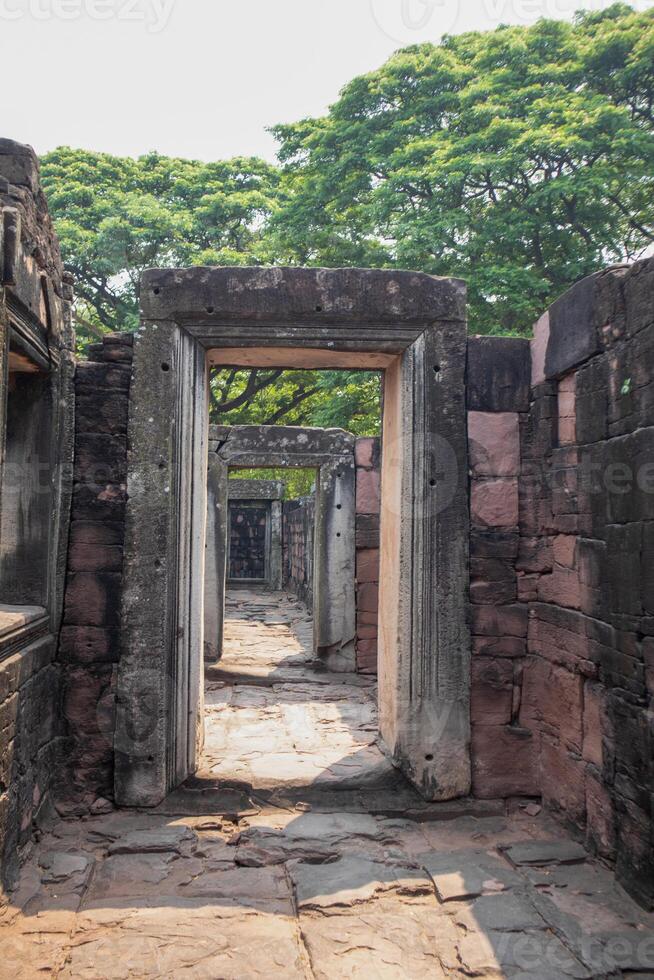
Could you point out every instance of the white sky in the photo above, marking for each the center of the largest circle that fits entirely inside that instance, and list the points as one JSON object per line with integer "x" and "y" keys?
{"x": 203, "y": 78}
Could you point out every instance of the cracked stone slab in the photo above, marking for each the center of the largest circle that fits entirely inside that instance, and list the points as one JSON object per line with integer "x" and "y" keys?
{"x": 201, "y": 941}
{"x": 387, "y": 943}
{"x": 177, "y": 839}
{"x": 507, "y": 912}
{"x": 352, "y": 880}
{"x": 468, "y": 874}
{"x": 540, "y": 852}
{"x": 523, "y": 955}
{"x": 139, "y": 875}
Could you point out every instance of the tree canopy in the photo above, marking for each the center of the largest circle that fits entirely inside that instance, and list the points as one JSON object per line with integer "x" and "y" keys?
{"x": 520, "y": 159}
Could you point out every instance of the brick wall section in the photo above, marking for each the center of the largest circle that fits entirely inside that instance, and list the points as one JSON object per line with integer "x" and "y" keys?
{"x": 585, "y": 565}
{"x": 297, "y": 547}
{"x": 503, "y": 757}
{"x": 368, "y": 491}
{"x": 89, "y": 643}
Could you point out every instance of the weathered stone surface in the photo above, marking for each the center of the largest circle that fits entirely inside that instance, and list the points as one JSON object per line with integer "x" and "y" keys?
{"x": 384, "y": 943}
{"x": 464, "y": 875}
{"x": 494, "y": 503}
{"x": 573, "y": 328}
{"x": 540, "y": 853}
{"x": 368, "y": 491}
{"x": 335, "y": 294}
{"x": 494, "y": 443}
{"x": 504, "y": 762}
{"x": 499, "y": 374}
{"x": 351, "y": 881}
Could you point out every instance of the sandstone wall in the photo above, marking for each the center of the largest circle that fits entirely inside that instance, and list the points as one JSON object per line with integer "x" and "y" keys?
{"x": 367, "y": 458}
{"x": 89, "y": 647}
{"x": 586, "y": 561}
{"x": 36, "y": 342}
{"x": 503, "y": 758}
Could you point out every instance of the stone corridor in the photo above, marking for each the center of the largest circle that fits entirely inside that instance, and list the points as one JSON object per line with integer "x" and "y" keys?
{"x": 298, "y": 853}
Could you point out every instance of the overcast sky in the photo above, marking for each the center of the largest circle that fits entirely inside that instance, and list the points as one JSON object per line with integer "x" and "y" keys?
{"x": 203, "y": 78}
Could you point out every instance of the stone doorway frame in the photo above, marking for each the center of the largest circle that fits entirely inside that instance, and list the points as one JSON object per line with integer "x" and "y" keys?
{"x": 412, "y": 327}
{"x": 331, "y": 453}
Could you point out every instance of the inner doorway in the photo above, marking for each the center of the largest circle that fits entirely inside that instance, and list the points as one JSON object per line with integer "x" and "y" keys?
{"x": 412, "y": 327}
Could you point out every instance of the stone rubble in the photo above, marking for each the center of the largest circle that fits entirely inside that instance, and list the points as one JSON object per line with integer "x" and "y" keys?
{"x": 252, "y": 886}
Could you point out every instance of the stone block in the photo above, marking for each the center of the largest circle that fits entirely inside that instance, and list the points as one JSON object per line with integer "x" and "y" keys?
{"x": 538, "y": 349}
{"x": 504, "y": 762}
{"x": 368, "y": 491}
{"x": 494, "y": 503}
{"x": 367, "y": 452}
{"x": 562, "y": 587}
{"x": 368, "y": 565}
{"x": 535, "y": 555}
{"x": 494, "y": 443}
{"x": 502, "y": 621}
{"x": 600, "y": 818}
{"x": 564, "y": 549}
{"x": 88, "y": 644}
{"x": 499, "y": 374}
{"x": 492, "y": 691}
{"x": 95, "y": 558}
{"x": 367, "y": 531}
{"x": 552, "y": 702}
{"x": 573, "y": 332}
{"x": 368, "y": 597}
{"x": 594, "y": 725}
{"x": 494, "y": 544}
{"x": 498, "y": 646}
{"x": 96, "y": 533}
{"x": 93, "y": 599}
{"x": 563, "y": 781}
{"x": 493, "y": 593}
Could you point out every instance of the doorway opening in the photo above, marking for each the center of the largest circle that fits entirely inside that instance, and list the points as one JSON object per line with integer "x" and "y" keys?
{"x": 410, "y": 326}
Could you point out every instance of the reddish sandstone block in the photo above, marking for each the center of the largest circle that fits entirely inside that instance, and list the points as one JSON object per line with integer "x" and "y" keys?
{"x": 368, "y": 597}
{"x": 492, "y": 691}
{"x": 96, "y": 532}
{"x": 593, "y": 722}
{"x": 499, "y": 646}
{"x": 368, "y": 492}
{"x": 93, "y": 599}
{"x": 567, "y": 410}
{"x": 368, "y": 565}
{"x": 500, "y": 621}
{"x": 565, "y": 548}
{"x": 562, "y": 588}
{"x": 504, "y": 762}
{"x": 563, "y": 781}
{"x": 366, "y": 451}
{"x": 600, "y": 818}
{"x": 552, "y": 702}
{"x": 494, "y": 443}
{"x": 95, "y": 558}
{"x": 494, "y": 503}
{"x": 88, "y": 644}
{"x": 493, "y": 593}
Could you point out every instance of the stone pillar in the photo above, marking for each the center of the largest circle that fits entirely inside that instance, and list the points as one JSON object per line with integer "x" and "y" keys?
{"x": 334, "y": 607}
{"x": 159, "y": 689}
{"x": 215, "y": 558}
{"x": 275, "y": 558}
{"x": 424, "y": 662}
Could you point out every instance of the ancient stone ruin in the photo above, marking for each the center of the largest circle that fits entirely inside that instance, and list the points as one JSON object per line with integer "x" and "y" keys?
{"x": 490, "y": 560}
